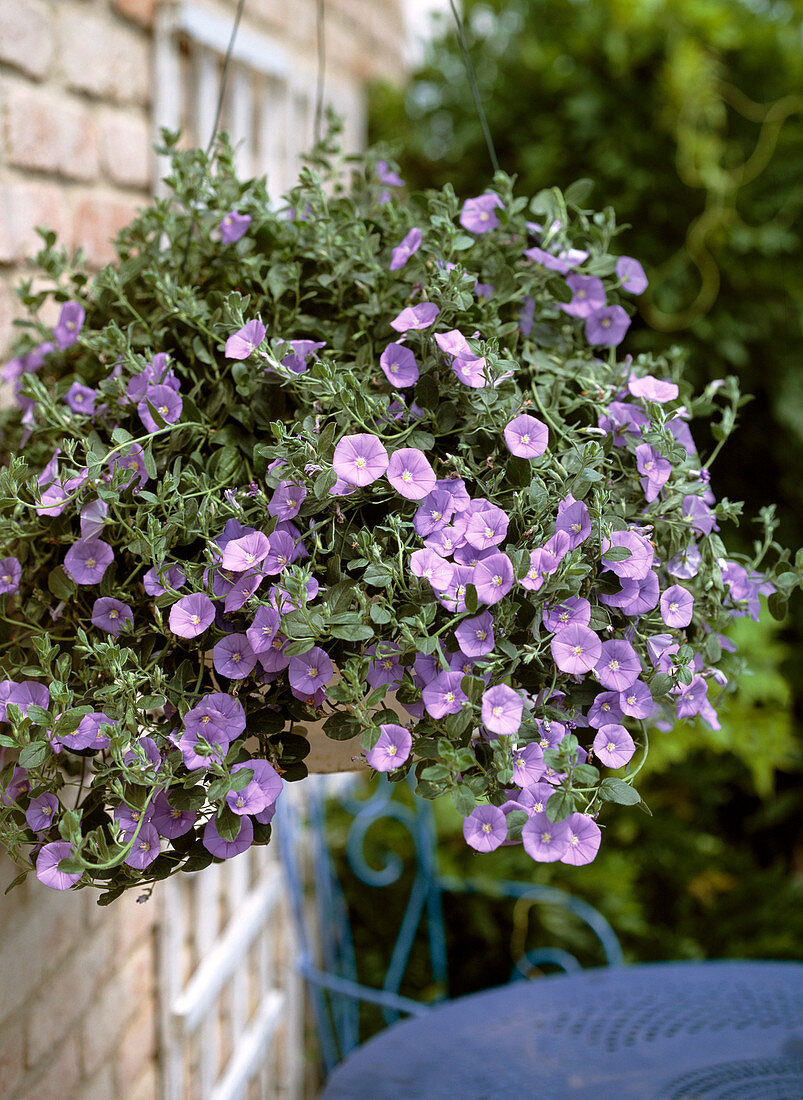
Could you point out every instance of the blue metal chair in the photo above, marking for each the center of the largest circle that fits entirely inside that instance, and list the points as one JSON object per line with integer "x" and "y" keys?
{"x": 326, "y": 956}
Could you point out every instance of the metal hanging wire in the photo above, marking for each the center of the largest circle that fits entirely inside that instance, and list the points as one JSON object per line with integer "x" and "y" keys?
{"x": 472, "y": 79}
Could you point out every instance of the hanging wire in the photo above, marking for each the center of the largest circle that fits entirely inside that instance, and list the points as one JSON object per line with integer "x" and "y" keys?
{"x": 319, "y": 94}
{"x": 225, "y": 74}
{"x": 472, "y": 79}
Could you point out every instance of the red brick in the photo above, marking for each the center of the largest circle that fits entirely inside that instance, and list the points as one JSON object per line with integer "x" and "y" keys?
{"x": 26, "y": 36}
{"x": 97, "y": 218}
{"x": 103, "y": 57}
{"x": 24, "y": 205}
{"x": 49, "y": 132}
{"x": 125, "y": 148}
{"x": 139, "y": 11}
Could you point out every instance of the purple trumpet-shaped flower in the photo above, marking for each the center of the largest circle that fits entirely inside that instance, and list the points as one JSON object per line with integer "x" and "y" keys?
{"x": 584, "y": 840}
{"x": 652, "y": 389}
{"x": 415, "y": 317}
{"x": 385, "y": 668}
{"x": 477, "y": 215}
{"x": 109, "y": 614}
{"x": 282, "y": 551}
{"x": 263, "y": 629}
{"x": 476, "y": 636}
{"x": 502, "y": 709}
{"x": 263, "y": 790}
{"x": 443, "y": 695}
{"x": 528, "y": 765}
{"x": 573, "y": 519}
{"x": 635, "y": 597}
{"x": 81, "y": 399}
{"x": 391, "y": 750}
{"x": 631, "y": 275}
{"x": 654, "y": 468}
{"x": 24, "y": 694}
{"x": 677, "y": 606}
{"x": 618, "y": 666}
{"x": 128, "y": 818}
{"x": 191, "y": 615}
{"x": 93, "y": 518}
{"x": 588, "y": 295}
{"x": 493, "y": 578}
{"x": 410, "y": 473}
{"x": 576, "y": 649}
{"x": 526, "y": 437}
{"x": 233, "y": 657}
{"x": 234, "y": 226}
{"x": 41, "y": 812}
{"x": 227, "y": 849}
{"x": 485, "y": 828}
{"x": 686, "y": 564}
{"x": 636, "y": 701}
{"x": 573, "y": 610}
{"x": 288, "y": 496}
{"x": 70, "y": 323}
{"x": 167, "y": 403}
{"x": 47, "y": 866}
{"x": 246, "y": 340}
{"x": 132, "y": 459}
{"x": 613, "y": 745}
{"x": 10, "y": 575}
{"x": 360, "y": 459}
{"x": 87, "y": 560}
{"x": 245, "y": 553}
{"x": 399, "y": 365}
{"x": 387, "y": 176}
{"x": 403, "y": 251}
{"x": 607, "y": 326}
{"x": 302, "y": 350}
{"x": 169, "y": 821}
{"x": 309, "y": 672}
{"x": 173, "y": 577}
{"x": 639, "y": 562}
{"x": 545, "y": 841}
{"x": 432, "y": 567}
{"x": 486, "y": 529}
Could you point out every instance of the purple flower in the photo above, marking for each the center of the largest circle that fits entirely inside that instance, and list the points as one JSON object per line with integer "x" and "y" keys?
{"x": 415, "y": 317}
{"x": 477, "y": 215}
{"x": 697, "y": 513}
{"x": 191, "y": 615}
{"x": 574, "y": 520}
{"x": 575, "y": 649}
{"x": 686, "y": 564}
{"x": 309, "y": 672}
{"x": 47, "y": 865}
{"x": 584, "y": 839}
{"x": 526, "y": 437}
{"x": 588, "y": 295}
{"x": 528, "y": 765}
{"x": 607, "y": 326}
{"x": 131, "y": 458}
{"x": 677, "y": 606}
{"x": 391, "y": 750}
{"x": 652, "y": 389}
{"x": 10, "y": 575}
{"x": 263, "y": 630}
{"x": 195, "y": 752}
{"x": 487, "y": 528}
{"x": 493, "y": 578}
{"x": 636, "y": 701}
{"x": 87, "y": 560}
{"x": 246, "y": 552}
{"x": 545, "y": 841}
{"x": 360, "y": 459}
{"x": 246, "y": 340}
{"x": 656, "y": 470}
{"x": 485, "y": 828}
{"x": 128, "y": 818}
{"x": 572, "y": 610}
{"x": 167, "y": 403}
{"x": 261, "y": 792}
{"x": 402, "y": 252}
{"x": 434, "y": 512}
{"x": 613, "y": 745}
{"x": 234, "y": 226}
{"x": 542, "y": 564}
{"x": 233, "y": 657}
{"x": 173, "y": 578}
{"x": 168, "y": 821}
{"x": 93, "y": 516}
{"x": 618, "y": 666}
{"x": 622, "y": 419}
{"x": 70, "y": 323}
{"x": 226, "y": 849}
{"x": 109, "y": 614}
{"x": 89, "y": 734}
{"x": 399, "y": 365}
{"x": 546, "y": 259}
{"x": 443, "y": 695}
{"x": 432, "y": 567}
{"x": 471, "y": 370}
{"x": 631, "y": 275}
{"x": 41, "y": 812}
{"x": 454, "y": 596}
{"x": 81, "y": 398}
{"x": 638, "y": 564}
{"x": 387, "y": 176}
{"x": 302, "y": 349}
{"x": 145, "y": 849}
{"x": 385, "y": 667}
{"x": 476, "y": 636}
{"x": 410, "y": 473}
{"x": 635, "y": 597}
{"x": 502, "y": 709}
{"x": 155, "y": 373}
{"x": 288, "y": 496}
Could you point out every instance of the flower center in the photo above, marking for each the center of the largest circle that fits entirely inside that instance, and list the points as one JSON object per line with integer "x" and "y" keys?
{"x": 631, "y": 699}
{"x": 496, "y": 711}
{"x": 613, "y": 665}
{"x": 114, "y": 614}
{"x": 489, "y": 533}
{"x": 525, "y": 439}
{"x": 578, "y": 649}
{"x": 162, "y": 410}
{"x": 577, "y": 528}
{"x": 195, "y": 620}
{"x": 144, "y": 846}
{"x": 276, "y": 643}
{"x": 359, "y": 462}
{"x": 236, "y": 657}
{"x": 581, "y": 294}
{"x": 497, "y": 580}
{"x": 481, "y": 635}
{"x": 450, "y": 696}
{"x": 610, "y": 746}
{"x": 546, "y": 838}
{"x": 47, "y": 810}
{"x": 393, "y": 367}
{"x": 90, "y": 563}
{"x": 78, "y": 398}
{"x": 673, "y": 607}
{"x": 407, "y": 476}
{"x": 6, "y": 578}
{"x": 392, "y": 750}
{"x": 606, "y": 322}
{"x": 564, "y": 616}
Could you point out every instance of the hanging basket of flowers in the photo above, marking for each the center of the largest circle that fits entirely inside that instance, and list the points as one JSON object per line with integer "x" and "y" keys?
{"x": 363, "y": 461}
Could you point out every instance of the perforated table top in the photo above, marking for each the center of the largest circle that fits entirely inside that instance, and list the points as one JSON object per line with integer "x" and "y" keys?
{"x": 661, "y": 1031}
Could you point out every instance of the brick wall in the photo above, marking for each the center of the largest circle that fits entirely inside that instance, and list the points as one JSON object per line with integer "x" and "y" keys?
{"x": 77, "y": 995}
{"x": 75, "y": 122}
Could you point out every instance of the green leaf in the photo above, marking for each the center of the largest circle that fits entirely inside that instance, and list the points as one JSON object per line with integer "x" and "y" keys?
{"x": 617, "y": 553}
{"x": 561, "y": 803}
{"x": 585, "y": 774}
{"x": 192, "y": 799}
{"x": 228, "y": 823}
{"x": 463, "y": 799}
{"x": 660, "y": 684}
{"x": 60, "y": 584}
{"x": 342, "y": 727}
{"x": 380, "y": 614}
{"x": 616, "y": 790}
{"x": 34, "y": 754}
{"x": 70, "y": 721}
{"x": 377, "y": 575}
{"x": 38, "y": 715}
{"x": 472, "y": 603}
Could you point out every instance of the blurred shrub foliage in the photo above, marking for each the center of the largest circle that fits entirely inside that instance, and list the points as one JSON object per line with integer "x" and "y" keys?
{"x": 688, "y": 116}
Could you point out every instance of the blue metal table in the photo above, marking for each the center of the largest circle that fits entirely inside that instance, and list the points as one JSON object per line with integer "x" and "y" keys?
{"x": 661, "y": 1031}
